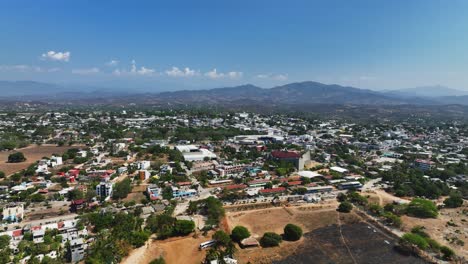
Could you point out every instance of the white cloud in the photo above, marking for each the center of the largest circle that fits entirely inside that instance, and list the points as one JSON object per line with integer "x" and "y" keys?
{"x": 87, "y": 71}
{"x": 186, "y": 72}
{"x": 145, "y": 71}
{"x": 112, "y": 63}
{"x": 214, "y": 74}
{"x": 56, "y": 56}
{"x": 276, "y": 77}
{"x": 26, "y": 68}
{"x": 134, "y": 70}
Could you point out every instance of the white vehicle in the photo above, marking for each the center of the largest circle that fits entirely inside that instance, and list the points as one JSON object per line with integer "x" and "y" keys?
{"x": 207, "y": 244}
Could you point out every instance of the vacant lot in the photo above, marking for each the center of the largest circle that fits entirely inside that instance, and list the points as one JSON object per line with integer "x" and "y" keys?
{"x": 348, "y": 243}
{"x": 331, "y": 237}
{"x": 174, "y": 250}
{"x": 449, "y": 228}
{"x": 274, "y": 219}
{"x": 32, "y": 153}
{"x": 136, "y": 194}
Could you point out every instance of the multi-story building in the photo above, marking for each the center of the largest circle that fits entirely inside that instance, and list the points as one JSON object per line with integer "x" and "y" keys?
{"x": 104, "y": 190}
{"x": 13, "y": 212}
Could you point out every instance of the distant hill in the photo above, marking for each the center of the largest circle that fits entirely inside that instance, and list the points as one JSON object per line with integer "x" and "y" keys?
{"x": 298, "y": 94}
{"x": 290, "y": 94}
{"x": 427, "y": 91}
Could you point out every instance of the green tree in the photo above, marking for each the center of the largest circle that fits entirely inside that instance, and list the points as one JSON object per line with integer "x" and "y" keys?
{"x": 345, "y": 207}
{"x": 422, "y": 208}
{"x": 75, "y": 194}
{"x": 270, "y": 239}
{"x": 16, "y": 157}
{"x": 4, "y": 241}
{"x": 239, "y": 233}
{"x": 162, "y": 225}
{"x": 122, "y": 189}
{"x": 292, "y": 232}
{"x": 222, "y": 239}
{"x": 37, "y": 197}
{"x": 167, "y": 193}
{"x": 454, "y": 200}
{"x": 184, "y": 227}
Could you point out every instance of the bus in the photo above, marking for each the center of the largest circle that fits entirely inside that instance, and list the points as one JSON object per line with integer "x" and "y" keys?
{"x": 207, "y": 244}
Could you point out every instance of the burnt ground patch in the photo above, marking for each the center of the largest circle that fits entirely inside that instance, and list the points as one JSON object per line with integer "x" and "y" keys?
{"x": 364, "y": 244}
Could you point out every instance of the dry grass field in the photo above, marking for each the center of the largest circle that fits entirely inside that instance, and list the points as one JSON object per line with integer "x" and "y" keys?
{"x": 32, "y": 153}
{"x": 174, "y": 250}
{"x": 449, "y": 228}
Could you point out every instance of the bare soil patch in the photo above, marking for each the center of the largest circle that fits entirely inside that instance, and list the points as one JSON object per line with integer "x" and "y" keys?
{"x": 449, "y": 228}
{"x": 32, "y": 153}
{"x": 174, "y": 250}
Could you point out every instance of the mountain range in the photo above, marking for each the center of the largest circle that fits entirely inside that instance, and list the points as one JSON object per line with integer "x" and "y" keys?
{"x": 300, "y": 93}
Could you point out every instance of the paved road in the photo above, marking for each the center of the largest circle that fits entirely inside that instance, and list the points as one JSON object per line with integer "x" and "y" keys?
{"x": 42, "y": 221}
{"x": 370, "y": 184}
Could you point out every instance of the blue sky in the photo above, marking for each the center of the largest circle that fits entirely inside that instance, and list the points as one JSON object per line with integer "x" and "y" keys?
{"x": 166, "y": 45}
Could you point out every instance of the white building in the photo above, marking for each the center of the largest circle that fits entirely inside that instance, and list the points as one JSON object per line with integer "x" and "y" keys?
{"x": 104, "y": 190}
{"x": 13, "y": 212}
{"x": 144, "y": 165}
{"x": 194, "y": 153}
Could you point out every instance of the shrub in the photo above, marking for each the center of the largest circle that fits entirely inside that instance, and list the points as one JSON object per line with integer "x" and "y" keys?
{"x": 454, "y": 200}
{"x": 270, "y": 239}
{"x": 434, "y": 245}
{"x": 239, "y": 233}
{"x": 345, "y": 207}
{"x": 447, "y": 253}
{"x": 416, "y": 240}
{"x": 375, "y": 209}
{"x": 422, "y": 208}
{"x": 392, "y": 219}
{"x": 419, "y": 230}
{"x": 16, "y": 157}
{"x": 292, "y": 232}
{"x": 159, "y": 260}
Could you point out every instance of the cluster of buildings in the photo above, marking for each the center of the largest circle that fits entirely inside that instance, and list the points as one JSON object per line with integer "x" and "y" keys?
{"x": 262, "y": 156}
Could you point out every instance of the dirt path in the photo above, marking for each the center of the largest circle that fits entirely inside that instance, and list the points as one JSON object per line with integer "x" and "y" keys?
{"x": 343, "y": 239}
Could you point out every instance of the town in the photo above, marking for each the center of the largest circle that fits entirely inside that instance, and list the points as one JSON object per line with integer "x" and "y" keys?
{"x": 194, "y": 186}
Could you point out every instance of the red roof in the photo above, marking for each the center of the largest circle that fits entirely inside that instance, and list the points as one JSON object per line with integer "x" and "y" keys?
{"x": 17, "y": 233}
{"x": 184, "y": 183}
{"x": 78, "y": 202}
{"x": 258, "y": 181}
{"x": 285, "y": 154}
{"x": 34, "y": 228}
{"x": 273, "y": 190}
{"x": 235, "y": 186}
{"x": 292, "y": 183}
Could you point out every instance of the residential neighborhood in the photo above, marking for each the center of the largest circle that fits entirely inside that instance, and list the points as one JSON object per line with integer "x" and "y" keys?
{"x": 144, "y": 168}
